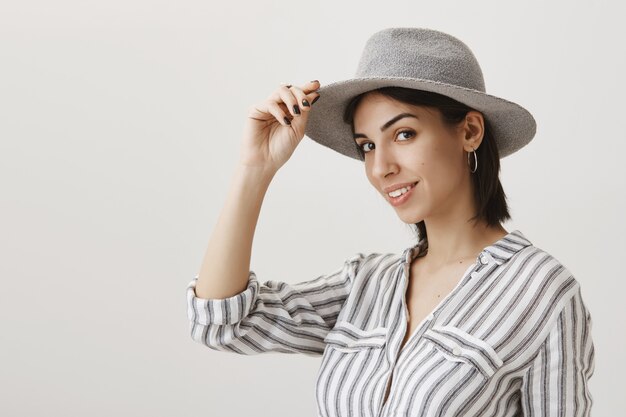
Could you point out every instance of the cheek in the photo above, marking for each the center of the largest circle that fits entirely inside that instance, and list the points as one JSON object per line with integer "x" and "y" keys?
{"x": 439, "y": 178}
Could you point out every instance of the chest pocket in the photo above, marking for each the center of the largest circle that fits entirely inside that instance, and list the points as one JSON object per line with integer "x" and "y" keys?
{"x": 459, "y": 346}
{"x": 347, "y": 337}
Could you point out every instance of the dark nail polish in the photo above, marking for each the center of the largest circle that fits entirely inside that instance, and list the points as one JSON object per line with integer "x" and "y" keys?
{"x": 305, "y": 103}
{"x": 287, "y": 120}
{"x": 314, "y": 100}
{"x": 296, "y": 109}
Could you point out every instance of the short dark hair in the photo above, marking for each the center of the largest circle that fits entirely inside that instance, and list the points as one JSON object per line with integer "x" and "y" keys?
{"x": 488, "y": 191}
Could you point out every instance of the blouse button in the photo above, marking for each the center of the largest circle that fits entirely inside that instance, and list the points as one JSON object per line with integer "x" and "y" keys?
{"x": 474, "y": 274}
{"x": 484, "y": 260}
{"x": 429, "y": 317}
{"x": 456, "y": 350}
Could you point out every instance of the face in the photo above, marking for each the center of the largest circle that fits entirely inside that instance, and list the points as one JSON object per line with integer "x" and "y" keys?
{"x": 417, "y": 149}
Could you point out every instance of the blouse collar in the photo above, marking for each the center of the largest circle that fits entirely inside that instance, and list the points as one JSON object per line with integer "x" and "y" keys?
{"x": 500, "y": 251}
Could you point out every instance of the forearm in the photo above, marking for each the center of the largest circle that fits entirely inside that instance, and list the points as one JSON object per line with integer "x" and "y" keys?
{"x": 226, "y": 264}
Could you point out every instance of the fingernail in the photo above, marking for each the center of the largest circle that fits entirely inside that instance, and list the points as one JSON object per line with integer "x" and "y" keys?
{"x": 305, "y": 103}
{"x": 296, "y": 109}
{"x": 314, "y": 100}
{"x": 314, "y": 81}
{"x": 287, "y": 120}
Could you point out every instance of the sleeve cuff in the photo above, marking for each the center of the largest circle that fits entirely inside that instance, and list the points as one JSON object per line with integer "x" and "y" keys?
{"x": 228, "y": 310}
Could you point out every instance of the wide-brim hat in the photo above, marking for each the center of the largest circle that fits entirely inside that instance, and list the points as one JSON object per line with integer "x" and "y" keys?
{"x": 422, "y": 59}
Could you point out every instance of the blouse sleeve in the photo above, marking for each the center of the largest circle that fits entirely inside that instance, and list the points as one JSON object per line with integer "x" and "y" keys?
{"x": 272, "y": 316}
{"x": 557, "y": 381}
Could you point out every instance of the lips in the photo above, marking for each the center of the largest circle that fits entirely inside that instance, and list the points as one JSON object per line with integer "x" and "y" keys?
{"x": 404, "y": 186}
{"x": 394, "y": 187}
{"x": 397, "y": 201}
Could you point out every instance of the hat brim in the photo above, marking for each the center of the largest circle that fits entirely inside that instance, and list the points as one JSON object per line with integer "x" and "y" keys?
{"x": 513, "y": 126}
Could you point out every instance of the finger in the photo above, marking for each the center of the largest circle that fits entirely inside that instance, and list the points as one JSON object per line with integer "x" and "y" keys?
{"x": 283, "y": 94}
{"x": 314, "y": 96}
{"x": 279, "y": 113}
{"x": 311, "y": 86}
{"x": 311, "y": 89}
{"x": 302, "y": 98}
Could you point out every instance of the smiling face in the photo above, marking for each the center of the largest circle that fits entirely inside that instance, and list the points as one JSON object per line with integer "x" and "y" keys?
{"x": 417, "y": 148}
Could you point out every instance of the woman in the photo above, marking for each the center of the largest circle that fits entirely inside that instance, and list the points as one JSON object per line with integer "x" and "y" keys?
{"x": 473, "y": 320}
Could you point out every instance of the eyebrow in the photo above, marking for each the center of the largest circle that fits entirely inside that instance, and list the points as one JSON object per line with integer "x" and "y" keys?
{"x": 389, "y": 123}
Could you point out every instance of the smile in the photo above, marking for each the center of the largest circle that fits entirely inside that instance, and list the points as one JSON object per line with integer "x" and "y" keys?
{"x": 398, "y": 197}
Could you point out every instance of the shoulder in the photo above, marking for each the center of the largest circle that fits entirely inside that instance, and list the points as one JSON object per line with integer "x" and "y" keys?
{"x": 541, "y": 271}
{"x": 539, "y": 288}
{"x": 562, "y": 286}
{"x": 515, "y": 305}
{"x": 366, "y": 261}
{"x": 358, "y": 265}
{"x": 373, "y": 267}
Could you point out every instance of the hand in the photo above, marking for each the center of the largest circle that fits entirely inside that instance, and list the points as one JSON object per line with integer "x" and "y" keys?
{"x": 268, "y": 139}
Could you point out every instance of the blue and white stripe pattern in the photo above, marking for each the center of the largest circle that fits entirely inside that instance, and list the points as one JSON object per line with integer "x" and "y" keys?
{"x": 513, "y": 338}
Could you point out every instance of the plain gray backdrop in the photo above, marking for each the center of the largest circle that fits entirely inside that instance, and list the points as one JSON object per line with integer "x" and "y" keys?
{"x": 120, "y": 124}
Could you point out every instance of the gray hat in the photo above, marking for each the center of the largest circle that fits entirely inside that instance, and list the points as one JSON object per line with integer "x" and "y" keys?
{"x": 422, "y": 59}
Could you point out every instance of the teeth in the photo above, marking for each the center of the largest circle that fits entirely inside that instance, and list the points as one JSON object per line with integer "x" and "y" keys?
{"x": 399, "y": 192}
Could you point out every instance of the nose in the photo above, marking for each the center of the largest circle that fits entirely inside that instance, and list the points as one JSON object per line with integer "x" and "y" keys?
{"x": 383, "y": 162}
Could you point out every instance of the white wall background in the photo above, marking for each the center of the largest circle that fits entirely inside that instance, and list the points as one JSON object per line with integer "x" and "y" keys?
{"x": 120, "y": 124}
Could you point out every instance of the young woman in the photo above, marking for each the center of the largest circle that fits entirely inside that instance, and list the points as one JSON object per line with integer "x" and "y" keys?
{"x": 473, "y": 320}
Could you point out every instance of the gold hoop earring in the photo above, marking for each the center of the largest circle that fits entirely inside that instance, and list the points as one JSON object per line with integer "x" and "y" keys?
{"x": 475, "y": 161}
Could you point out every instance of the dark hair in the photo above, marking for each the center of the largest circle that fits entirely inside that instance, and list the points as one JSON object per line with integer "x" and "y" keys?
{"x": 488, "y": 191}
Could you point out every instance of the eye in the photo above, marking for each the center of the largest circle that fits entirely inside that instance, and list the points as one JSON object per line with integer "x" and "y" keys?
{"x": 410, "y": 132}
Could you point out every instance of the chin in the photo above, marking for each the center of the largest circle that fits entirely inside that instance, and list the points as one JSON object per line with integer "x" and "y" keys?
{"x": 409, "y": 218}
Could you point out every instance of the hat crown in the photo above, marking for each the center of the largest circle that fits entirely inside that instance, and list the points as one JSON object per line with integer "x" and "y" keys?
{"x": 420, "y": 53}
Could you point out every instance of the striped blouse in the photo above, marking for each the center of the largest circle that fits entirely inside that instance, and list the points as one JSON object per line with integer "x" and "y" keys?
{"x": 513, "y": 338}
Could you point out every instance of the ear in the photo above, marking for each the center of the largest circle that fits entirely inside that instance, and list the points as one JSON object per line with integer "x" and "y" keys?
{"x": 473, "y": 130}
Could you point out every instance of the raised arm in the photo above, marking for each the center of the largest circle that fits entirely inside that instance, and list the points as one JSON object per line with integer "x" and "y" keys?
{"x": 224, "y": 269}
{"x": 269, "y": 140}
{"x": 228, "y": 308}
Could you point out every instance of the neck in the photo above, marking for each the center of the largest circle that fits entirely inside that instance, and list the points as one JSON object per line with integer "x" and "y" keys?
{"x": 449, "y": 245}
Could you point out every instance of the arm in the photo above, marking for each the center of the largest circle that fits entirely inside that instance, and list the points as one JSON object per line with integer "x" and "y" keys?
{"x": 556, "y": 382}
{"x": 273, "y": 316}
{"x": 230, "y": 310}
{"x": 224, "y": 269}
